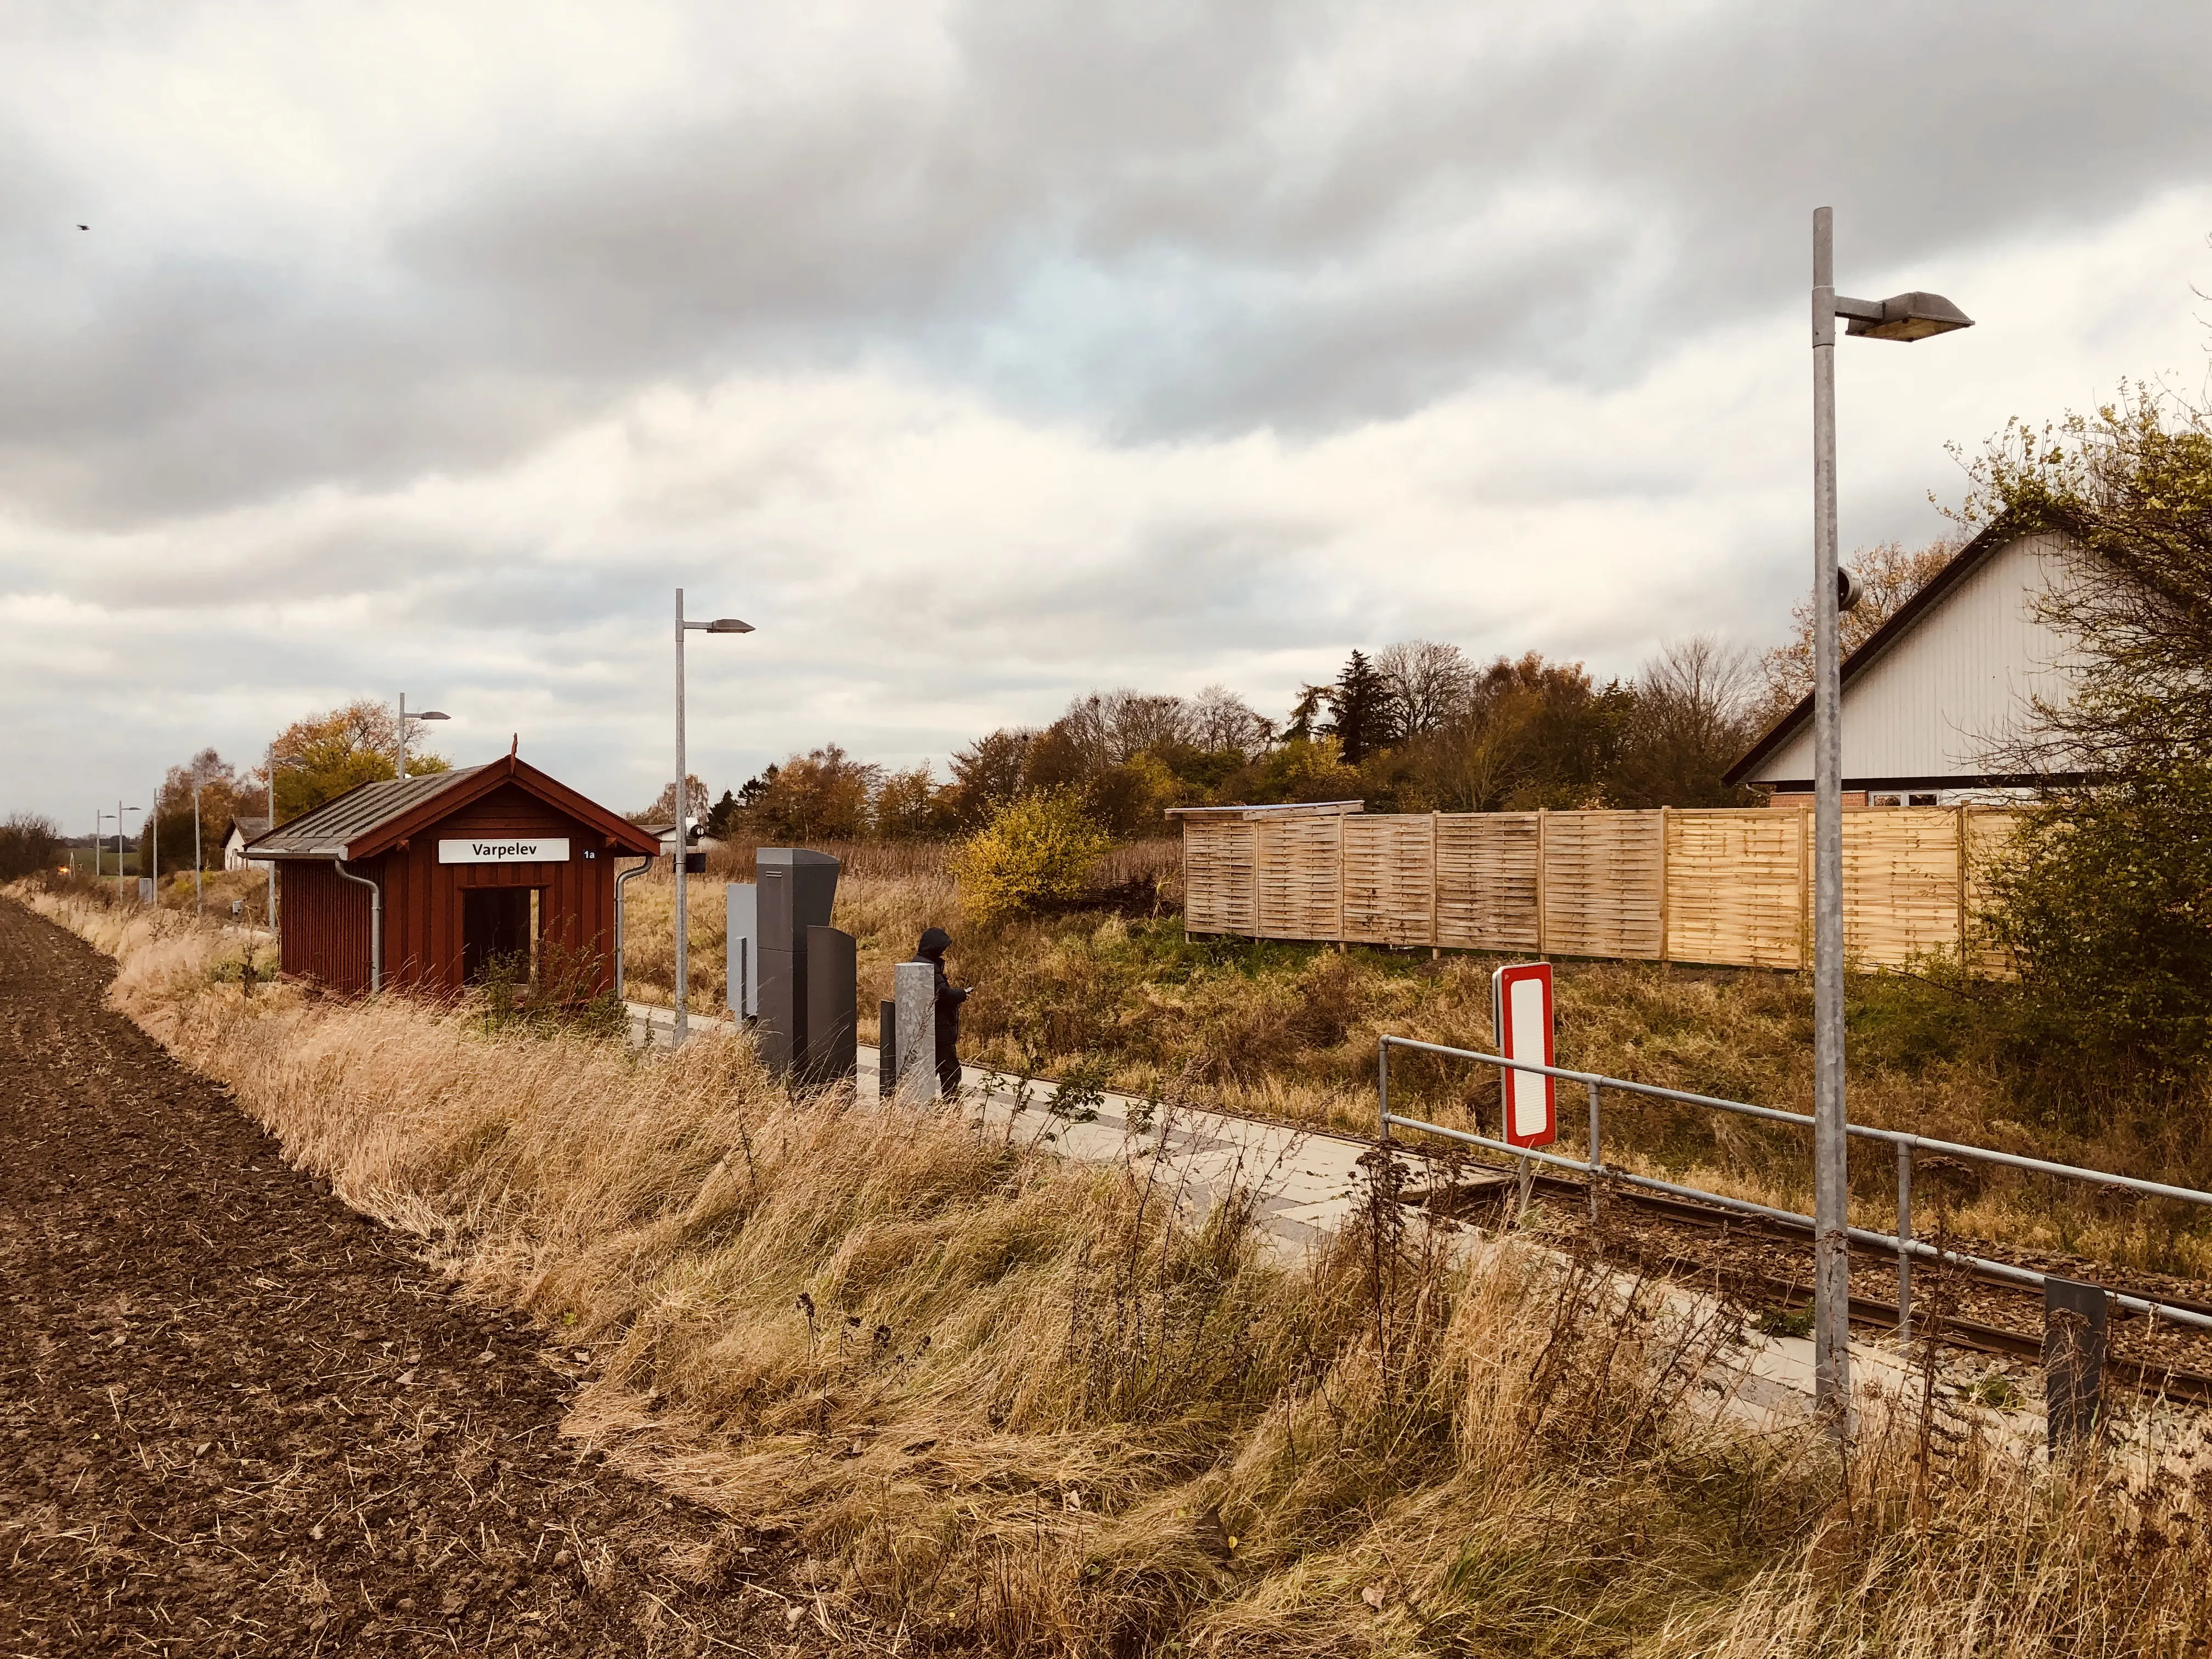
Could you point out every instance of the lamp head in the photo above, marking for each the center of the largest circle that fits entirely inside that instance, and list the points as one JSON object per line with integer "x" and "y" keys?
{"x": 1912, "y": 317}
{"x": 729, "y": 625}
{"x": 431, "y": 714}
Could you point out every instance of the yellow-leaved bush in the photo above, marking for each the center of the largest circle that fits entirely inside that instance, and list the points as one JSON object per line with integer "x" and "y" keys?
{"x": 1037, "y": 851}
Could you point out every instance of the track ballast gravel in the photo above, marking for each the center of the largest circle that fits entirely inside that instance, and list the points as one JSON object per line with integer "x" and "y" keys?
{"x": 237, "y": 1418}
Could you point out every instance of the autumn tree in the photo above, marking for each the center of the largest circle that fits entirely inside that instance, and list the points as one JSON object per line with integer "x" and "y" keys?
{"x": 322, "y": 757}
{"x": 1691, "y": 713}
{"x": 1889, "y": 573}
{"x": 1428, "y": 684}
{"x": 225, "y": 794}
{"x": 822, "y": 795}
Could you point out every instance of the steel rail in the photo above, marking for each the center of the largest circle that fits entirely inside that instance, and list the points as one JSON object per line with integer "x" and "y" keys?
{"x": 1900, "y": 1244}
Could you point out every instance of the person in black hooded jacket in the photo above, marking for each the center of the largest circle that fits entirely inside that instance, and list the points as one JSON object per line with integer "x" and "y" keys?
{"x": 935, "y": 942}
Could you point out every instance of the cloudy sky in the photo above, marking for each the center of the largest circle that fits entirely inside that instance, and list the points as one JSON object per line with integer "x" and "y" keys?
{"x": 983, "y": 354}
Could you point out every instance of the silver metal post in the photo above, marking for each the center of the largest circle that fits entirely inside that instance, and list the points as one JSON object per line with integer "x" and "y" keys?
{"x": 402, "y": 736}
{"x": 199, "y": 884}
{"x": 683, "y": 964}
{"x": 1832, "y": 1270}
{"x": 1382, "y": 1090}
{"x": 1904, "y": 1237}
{"x": 273, "y": 934}
{"x": 149, "y": 832}
{"x": 1596, "y": 1152}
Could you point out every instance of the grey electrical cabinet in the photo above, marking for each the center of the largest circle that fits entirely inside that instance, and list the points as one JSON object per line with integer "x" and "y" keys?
{"x": 795, "y": 891}
{"x": 742, "y": 904}
{"x": 833, "y": 982}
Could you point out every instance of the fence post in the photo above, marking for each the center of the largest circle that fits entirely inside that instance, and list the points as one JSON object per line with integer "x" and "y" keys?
{"x": 1381, "y": 1090}
{"x": 1541, "y": 817}
{"x": 1904, "y": 1237}
{"x": 1665, "y": 822}
{"x": 1597, "y": 1154}
{"x": 2073, "y": 1359}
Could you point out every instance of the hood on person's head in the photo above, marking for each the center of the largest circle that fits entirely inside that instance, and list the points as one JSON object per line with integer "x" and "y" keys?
{"x": 935, "y": 942}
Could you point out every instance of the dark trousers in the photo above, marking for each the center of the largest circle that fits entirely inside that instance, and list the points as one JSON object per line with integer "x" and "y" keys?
{"x": 948, "y": 1063}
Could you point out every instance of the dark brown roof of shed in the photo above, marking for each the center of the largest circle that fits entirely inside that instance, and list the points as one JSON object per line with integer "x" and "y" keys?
{"x": 328, "y": 830}
{"x": 374, "y": 817}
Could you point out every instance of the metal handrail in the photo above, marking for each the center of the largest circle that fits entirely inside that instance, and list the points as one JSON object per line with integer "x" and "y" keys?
{"x": 1906, "y": 1248}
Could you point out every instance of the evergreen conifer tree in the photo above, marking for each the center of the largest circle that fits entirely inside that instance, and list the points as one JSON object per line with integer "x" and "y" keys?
{"x": 1360, "y": 710}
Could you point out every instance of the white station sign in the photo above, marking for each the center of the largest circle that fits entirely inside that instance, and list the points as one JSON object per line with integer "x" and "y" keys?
{"x": 504, "y": 849}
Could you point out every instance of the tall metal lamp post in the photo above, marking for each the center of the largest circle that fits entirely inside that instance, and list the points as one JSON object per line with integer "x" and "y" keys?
{"x": 276, "y": 760}
{"x": 1901, "y": 317}
{"x": 120, "y": 809}
{"x": 427, "y": 714}
{"x": 719, "y": 625}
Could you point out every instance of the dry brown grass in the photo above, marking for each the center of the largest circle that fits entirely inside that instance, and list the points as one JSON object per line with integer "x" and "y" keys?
{"x": 1008, "y": 1405}
{"x": 1288, "y": 1032}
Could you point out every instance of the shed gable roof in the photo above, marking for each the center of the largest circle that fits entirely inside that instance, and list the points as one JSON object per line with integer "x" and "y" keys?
{"x": 1970, "y": 558}
{"x": 374, "y": 817}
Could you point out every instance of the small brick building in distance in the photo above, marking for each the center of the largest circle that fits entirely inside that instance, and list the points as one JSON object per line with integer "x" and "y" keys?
{"x": 424, "y": 882}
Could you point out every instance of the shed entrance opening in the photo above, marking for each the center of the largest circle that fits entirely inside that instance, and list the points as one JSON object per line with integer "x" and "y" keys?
{"x": 497, "y": 930}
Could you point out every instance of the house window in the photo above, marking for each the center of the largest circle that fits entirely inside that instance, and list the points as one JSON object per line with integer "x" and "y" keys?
{"x": 1921, "y": 800}
{"x": 1883, "y": 801}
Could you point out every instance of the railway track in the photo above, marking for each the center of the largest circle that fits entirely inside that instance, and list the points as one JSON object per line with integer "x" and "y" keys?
{"x": 2151, "y": 1375}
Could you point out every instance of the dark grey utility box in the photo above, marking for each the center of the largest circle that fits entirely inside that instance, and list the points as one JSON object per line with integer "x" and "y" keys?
{"x": 797, "y": 888}
{"x": 833, "y": 982}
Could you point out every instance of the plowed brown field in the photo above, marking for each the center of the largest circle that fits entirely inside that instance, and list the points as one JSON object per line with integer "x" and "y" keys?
{"x": 236, "y": 1417}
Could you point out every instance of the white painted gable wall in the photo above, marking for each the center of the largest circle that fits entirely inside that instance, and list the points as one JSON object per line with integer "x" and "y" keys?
{"x": 1933, "y": 703}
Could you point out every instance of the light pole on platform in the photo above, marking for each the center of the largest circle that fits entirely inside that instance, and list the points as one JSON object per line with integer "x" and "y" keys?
{"x": 1901, "y": 317}
{"x": 719, "y": 625}
{"x": 427, "y": 714}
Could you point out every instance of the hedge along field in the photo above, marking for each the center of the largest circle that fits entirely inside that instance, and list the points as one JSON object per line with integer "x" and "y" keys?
{"x": 1014, "y": 1406}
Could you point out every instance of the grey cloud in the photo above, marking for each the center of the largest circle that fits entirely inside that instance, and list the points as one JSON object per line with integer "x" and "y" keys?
{"x": 1155, "y": 220}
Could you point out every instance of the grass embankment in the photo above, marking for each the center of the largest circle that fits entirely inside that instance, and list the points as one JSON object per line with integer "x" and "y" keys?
{"x": 1006, "y": 1405}
{"x": 1288, "y": 1032}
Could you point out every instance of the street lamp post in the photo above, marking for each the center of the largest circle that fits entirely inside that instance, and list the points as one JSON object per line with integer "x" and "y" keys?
{"x": 1902, "y": 317}
{"x": 427, "y": 714}
{"x": 719, "y": 625}
{"x": 275, "y": 761}
{"x": 120, "y": 809}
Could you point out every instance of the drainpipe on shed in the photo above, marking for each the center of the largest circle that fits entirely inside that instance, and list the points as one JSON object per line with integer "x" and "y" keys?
{"x": 621, "y": 881}
{"x": 375, "y": 924}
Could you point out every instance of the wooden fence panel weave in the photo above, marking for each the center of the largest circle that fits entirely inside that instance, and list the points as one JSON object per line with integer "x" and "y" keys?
{"x": 1219, "y": 861}
{"x": 1728, "y": 886}
{"x": 1388, "y": 893}
{"x": 1736, "y": 887}
{"x": 1600, "y": 883}
{"x": 1487, "y": 880}
{"x": 1986, "y": 832}
{"x": 1301, "y": 877}
{"x": 1901, "y": 886}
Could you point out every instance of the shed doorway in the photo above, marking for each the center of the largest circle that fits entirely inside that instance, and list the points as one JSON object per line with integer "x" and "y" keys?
{"x": 499, "y": 932}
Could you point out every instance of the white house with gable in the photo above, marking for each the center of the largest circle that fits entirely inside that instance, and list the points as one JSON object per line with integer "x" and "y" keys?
{"x": 1933, "y": 695}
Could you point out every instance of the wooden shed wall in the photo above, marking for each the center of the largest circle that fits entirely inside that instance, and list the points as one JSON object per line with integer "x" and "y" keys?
{"x": 422, "y": 898}
{"x": 326, "y": 924}
{"x": 326, "y": 919}
{"x": 1728, "y": 886}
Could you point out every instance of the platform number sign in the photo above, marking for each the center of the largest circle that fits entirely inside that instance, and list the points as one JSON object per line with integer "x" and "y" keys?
{"x": 1521, "y": 1016}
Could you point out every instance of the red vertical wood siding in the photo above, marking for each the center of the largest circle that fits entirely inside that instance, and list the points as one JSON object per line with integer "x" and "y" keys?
{"x": 326, "y": 933}
{"x": 325, "y": 924}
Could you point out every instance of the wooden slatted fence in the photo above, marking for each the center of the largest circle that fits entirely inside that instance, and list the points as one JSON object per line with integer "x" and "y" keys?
{"x": 1728, "y": 886}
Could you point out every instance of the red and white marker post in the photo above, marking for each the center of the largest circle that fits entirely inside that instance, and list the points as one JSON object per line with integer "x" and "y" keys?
{"x": 1521, "y": 1019}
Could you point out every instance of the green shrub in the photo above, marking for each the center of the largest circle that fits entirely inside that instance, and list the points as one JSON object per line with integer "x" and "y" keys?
{"x": 2105, "y": 902}
{"x": 1036, "y": 852}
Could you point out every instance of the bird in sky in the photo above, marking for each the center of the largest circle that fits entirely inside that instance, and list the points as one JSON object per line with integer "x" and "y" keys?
{"x": 84, "y": 227}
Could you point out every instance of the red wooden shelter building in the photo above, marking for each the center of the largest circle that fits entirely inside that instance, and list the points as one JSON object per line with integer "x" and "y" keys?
{"x": 426, "y": 882}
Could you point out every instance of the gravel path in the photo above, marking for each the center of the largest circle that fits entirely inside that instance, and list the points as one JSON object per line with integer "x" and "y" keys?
{"x": 236, "y": 1417}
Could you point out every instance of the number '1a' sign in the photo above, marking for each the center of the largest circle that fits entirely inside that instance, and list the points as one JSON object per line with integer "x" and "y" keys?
{"x": 1521, "y": 1015}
